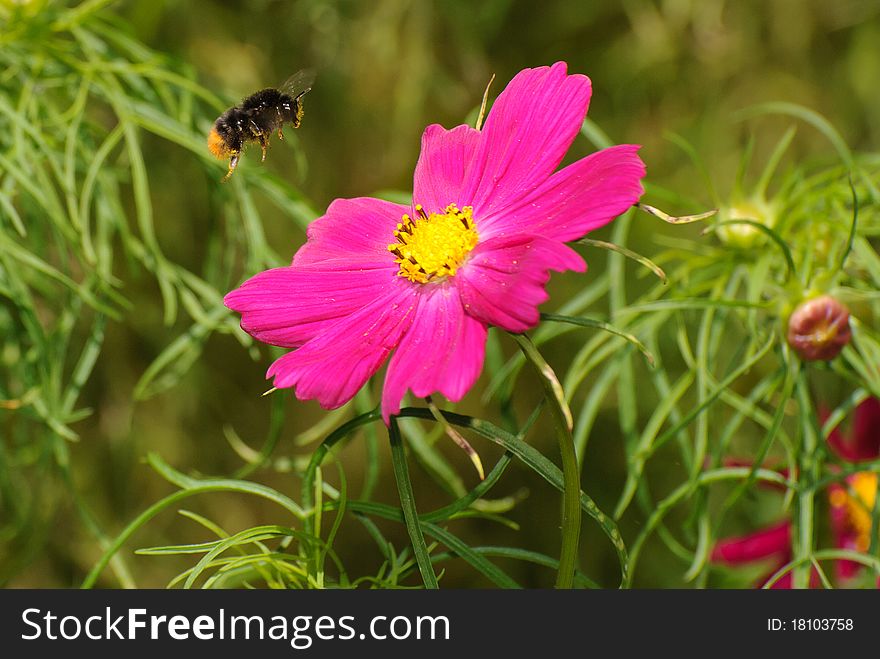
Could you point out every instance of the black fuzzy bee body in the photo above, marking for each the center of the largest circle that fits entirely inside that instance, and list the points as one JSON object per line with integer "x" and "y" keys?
{"x": 257, "y": 117}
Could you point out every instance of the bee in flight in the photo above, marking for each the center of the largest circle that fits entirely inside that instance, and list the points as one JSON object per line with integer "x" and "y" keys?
{"x": 257, "y": 117}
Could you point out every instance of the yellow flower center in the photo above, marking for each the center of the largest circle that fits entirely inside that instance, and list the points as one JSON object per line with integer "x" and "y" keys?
{"x": 857, "y": 505}
{"x": 430, "y": 248}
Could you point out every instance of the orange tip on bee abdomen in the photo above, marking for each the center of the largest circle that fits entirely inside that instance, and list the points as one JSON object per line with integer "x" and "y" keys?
{"x": 217, "y": 146}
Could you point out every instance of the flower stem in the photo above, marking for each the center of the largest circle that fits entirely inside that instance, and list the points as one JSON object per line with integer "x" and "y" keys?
{"x": 571, "y": 507}
{"x": 808, "y": 474}
{"x": 408, "y": 504}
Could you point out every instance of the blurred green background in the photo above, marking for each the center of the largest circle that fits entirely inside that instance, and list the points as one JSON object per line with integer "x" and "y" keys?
{"x": 386, "y": 69}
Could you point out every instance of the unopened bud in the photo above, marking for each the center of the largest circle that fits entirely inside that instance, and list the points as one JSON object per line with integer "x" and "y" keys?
{"x": 818, "y": 329}
{"x": 741, "y": 234}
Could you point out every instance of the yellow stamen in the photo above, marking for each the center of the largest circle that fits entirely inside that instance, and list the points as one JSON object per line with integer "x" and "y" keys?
{"x": 857, "y": 505}
{"x": 432, "y": 247}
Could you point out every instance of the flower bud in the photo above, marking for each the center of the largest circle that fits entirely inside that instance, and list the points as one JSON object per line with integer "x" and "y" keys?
{"x": 818, "y": 329}
{"x": 744, "y": 236}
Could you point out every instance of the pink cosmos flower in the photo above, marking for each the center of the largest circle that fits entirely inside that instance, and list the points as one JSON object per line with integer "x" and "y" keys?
{"x": 421, "y": 284}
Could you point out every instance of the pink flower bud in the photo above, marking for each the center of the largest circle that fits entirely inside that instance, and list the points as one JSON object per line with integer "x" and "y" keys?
{"x": 818, "y": 329}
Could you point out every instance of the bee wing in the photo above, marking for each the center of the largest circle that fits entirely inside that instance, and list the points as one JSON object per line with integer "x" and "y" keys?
{"x": 299, "y": 83}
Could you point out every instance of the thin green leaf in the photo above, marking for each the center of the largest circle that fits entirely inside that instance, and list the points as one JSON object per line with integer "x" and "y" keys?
{"x": 598, "y": 324}
{"x": 407, "y": 504}
{"x": 536, "y": 461}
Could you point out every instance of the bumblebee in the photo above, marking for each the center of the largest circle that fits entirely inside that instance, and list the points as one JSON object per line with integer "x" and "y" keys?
{"x": 257, "y": 117}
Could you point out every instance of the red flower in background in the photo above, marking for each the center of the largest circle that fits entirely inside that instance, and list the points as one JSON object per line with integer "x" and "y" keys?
{"x": 851, "y": 503}
{"x": 853, "y": 500}
{"x": 863, "y": 440}
{"x": 851, "y": 522}
{"x": 771, "y": 542}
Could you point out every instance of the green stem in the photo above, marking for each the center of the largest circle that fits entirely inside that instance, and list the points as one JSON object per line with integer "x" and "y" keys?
{"x": 408, "y": 504}
{"x": 808, "y": 468}
{"x": 571, "y": 506}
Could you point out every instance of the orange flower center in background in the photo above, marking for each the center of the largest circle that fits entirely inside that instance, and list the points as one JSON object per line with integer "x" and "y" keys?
{"x": 430, "y": 248}
{"x": 857, "y": 504}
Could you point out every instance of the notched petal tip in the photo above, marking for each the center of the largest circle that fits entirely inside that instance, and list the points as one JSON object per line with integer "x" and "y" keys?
{"x": 577, "y": 199}
{"x": 527, "y": 132}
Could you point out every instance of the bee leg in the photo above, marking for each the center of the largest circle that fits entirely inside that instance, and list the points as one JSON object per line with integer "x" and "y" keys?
{"x": 280, "y": 118}
{"x": 233, "y": 163}
{"x": 264, "y": 144}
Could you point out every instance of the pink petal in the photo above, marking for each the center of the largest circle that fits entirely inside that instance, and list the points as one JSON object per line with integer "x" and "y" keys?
{"x": 442, "y": 351}
{"x": 841, "y": 446}
{"x": 445, "y": 157}
{"x": 846, "y": 569}
{"x": 754, "y": 546}
{"x": 866, "y": 429}
{"x": 503, "y": 282}
{"x": 530, "y": 127}
{"x": 334, "y": 365}
{"x": 785, "y": 582}
{"x": 863, "y": 441}
{"x": 289, "y": 306}
{"x": 575, "y": 200}
{"x": 362, "y": 228}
